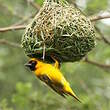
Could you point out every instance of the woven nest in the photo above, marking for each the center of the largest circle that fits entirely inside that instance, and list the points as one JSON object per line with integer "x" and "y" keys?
{"x": 60, "y": 30}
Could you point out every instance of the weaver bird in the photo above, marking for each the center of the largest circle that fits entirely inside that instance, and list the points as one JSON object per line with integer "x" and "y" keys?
{"x": 51, "y": 75}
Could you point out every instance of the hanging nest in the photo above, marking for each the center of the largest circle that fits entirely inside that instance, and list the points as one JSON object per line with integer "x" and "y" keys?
{"x": 60, "y": 30}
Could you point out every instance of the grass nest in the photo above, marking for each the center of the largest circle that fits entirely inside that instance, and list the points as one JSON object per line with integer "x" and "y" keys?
{"x": 60, "y": 30}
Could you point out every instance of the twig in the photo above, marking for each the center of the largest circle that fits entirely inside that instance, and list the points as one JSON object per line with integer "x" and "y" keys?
{"x": 97, "y": 64}
{"x": 24, "y": 20}
{"x": 5, "y": 42}
{"x": 13, "y": 12}
{"x": 102, "y": 36}
{"x": 10, "y": 28}
{"x": 96, "y": 18}
{"x": 35, "y": 5}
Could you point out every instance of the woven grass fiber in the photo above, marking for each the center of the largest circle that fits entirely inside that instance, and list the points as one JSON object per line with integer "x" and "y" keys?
{"x": 61, "y": 30}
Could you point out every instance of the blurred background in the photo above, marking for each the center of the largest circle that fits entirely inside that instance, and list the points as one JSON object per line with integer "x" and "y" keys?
{"x": 90, "y": 78}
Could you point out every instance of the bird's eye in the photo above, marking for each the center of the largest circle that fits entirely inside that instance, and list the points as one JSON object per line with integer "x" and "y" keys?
{"x": 33, "y": 63}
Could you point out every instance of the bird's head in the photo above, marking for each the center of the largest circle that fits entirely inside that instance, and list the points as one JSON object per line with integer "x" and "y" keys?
{"x": 33, "y": 64}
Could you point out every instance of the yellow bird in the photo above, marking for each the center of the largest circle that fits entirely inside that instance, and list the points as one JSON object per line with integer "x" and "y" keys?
{"x": 51, "y": 75}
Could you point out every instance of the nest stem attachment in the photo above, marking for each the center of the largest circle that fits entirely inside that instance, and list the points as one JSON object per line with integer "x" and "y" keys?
{"x": 52, "y": 1}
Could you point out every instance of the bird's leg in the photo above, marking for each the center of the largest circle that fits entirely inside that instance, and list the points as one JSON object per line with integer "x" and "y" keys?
{"x": 57, "y": 64}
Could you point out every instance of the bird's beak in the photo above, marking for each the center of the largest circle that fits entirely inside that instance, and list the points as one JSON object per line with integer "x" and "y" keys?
{"x": 28, "y": 65}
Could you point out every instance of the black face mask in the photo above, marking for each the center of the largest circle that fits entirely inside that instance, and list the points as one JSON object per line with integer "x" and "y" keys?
{"x": 32, "y": 65}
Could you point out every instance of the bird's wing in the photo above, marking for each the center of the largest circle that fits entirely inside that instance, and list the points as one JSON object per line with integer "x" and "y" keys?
{"x": 57, "y": 87}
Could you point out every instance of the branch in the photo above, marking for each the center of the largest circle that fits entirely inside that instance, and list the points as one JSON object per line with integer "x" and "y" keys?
{"x": 20, "y": 27}
{"x": 5, "y": 42}
{"x": 104, "y": 66}
{"x": 11, "y": 28}
{"x": 96, "y": 18}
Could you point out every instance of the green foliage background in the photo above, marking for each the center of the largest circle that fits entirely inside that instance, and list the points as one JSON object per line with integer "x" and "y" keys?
{"x": 19, "y": 88}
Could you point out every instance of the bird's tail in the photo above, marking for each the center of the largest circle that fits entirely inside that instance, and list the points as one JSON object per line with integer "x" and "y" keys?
{"x": 71, "y": 93}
